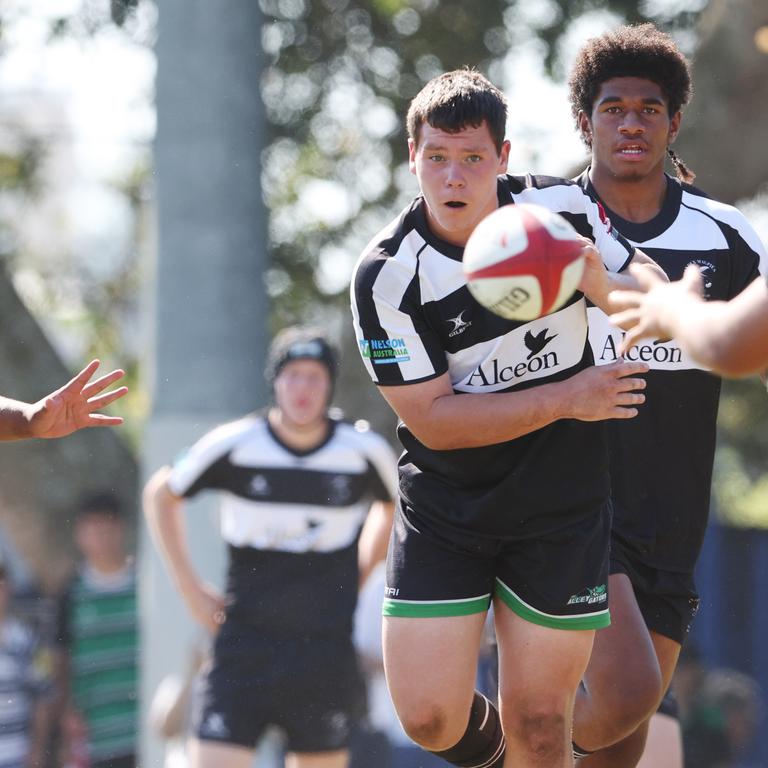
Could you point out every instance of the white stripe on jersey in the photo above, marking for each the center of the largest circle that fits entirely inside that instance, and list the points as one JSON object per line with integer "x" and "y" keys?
{"x": 289, "y": 527}
{"x": 206, "y": 451}
{"x": 606, "y": 338}
{"x": 331, "y": 523}
{"x": 731, "y": 216}
{"x": 507, "y": 360}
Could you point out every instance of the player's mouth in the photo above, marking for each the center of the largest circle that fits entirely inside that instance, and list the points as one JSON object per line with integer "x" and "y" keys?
{"x": 455, "y": 204}
{"x": 631, "y": 150}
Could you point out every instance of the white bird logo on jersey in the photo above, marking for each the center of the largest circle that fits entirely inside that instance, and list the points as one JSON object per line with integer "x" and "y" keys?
{"x": 459, "y": 323}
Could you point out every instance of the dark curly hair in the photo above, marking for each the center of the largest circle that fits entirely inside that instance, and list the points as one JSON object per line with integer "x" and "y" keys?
{"x": 456, "y": 100}
{"x": 640, "y": 50}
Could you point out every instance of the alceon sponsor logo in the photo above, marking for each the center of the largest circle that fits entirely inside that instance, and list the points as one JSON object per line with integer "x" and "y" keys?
{"x": 590, "y": 596}
{"x": 384, "y": 350}
{"x": 494, "y": 372}
{"x": 656, "y": 352}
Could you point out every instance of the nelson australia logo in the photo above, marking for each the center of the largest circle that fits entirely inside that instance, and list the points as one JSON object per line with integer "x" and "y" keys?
{"x": 538, "y": 359}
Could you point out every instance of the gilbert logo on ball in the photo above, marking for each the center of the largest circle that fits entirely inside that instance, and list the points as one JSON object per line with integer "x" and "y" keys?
{"x": 523, "y": 261}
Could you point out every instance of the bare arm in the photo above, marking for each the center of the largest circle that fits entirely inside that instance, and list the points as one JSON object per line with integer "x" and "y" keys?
{"x": 40, "y": 728}
{"x": 374, "y": 538}
{"x": 443, "y": 420}
{"x": 598, "y": 283}
{"x": 164, "y": 512}
{"x": 728, "y": 337}
{"x": 64, "y": 411}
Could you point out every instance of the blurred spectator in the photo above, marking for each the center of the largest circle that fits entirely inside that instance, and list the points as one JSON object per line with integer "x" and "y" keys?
{"x": 718, "y": 711}
{"x": 97, "y": 641}
{"x": 25, "y": 685}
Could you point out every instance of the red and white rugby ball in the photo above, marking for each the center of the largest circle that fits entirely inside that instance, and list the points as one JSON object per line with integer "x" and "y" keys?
{"x": 523, "y": 261}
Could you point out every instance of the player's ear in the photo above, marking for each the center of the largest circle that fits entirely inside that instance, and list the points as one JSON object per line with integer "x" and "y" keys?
{"x": 412, "y": 156}
{"x": 504, "y": 155}
{"x": 674, "y": 126}
{"x": 585, "y": 127}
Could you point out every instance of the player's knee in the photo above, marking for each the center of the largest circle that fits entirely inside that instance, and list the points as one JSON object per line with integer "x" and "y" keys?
{"x": 541, "y": 731}
{"x": 428, "y": 726}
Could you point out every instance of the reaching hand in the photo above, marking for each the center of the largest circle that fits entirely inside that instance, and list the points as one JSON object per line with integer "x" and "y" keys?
{"x": 73, "y": 406}
{"x": 649, "y": 313}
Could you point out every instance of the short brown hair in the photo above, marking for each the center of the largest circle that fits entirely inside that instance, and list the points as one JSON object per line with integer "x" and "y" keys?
{"x": 455, "y": 100}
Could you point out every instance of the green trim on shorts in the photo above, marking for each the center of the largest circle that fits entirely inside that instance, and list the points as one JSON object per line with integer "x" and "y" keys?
{"x": 426, "y": 609}
{"x": 596, "y": 620}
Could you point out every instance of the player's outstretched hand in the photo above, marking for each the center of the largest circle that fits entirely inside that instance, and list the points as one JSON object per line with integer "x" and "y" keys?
{"x": 75, "y": 405}
{"x": 651, "y": 311}
{"x": 610, "y": 391}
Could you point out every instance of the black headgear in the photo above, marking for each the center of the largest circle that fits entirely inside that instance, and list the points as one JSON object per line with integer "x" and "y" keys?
{"x": 300, "y": 343}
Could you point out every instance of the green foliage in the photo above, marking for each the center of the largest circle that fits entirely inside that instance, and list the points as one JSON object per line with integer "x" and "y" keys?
{"x": 339, "y": 79}
{"x": 741, "y": 480}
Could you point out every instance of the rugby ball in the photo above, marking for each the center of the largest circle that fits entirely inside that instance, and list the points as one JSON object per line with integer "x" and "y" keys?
{"x": 523, "y": 261}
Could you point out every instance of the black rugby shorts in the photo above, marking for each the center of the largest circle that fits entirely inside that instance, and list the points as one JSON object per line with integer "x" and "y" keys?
{"x": 557, "y": 580}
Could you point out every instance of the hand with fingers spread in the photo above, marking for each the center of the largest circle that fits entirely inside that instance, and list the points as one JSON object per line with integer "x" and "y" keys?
{"x": 651, "y": 312}
{"x": 606, "y": 391}
{"x": 71, "y": 407}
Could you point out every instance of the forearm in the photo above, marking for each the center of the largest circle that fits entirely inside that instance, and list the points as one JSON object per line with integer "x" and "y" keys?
{"x": 374, "y": 538}
{"x": 473, "y": 420}
{"x": 726, "y": 337}
{"x": 15, "y": 419}
{"x": 165, "y": 517}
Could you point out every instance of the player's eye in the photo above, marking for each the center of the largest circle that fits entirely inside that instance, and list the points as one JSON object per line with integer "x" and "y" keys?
{"x": 474, "y": 158}
{"x": 436, "y": 158}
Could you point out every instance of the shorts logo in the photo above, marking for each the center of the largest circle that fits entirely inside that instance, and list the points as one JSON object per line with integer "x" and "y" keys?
{"x": 590, "y": 596}
{"x": 380, "y": 351}
{"x": 391, "y": 592}
{"x": 214, "y": 725}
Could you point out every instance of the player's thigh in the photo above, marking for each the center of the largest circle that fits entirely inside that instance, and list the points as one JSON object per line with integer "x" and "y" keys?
{"x": 540, "y": 667}
{"x": 437, "y": 594}
{"x": 336, "y": 759}
{"x": 624, "y": 661}
{"x": 212, "y": 754}
{"x": 667, "y": 653}
{"x": 664, "y": 744}
{"x": 432, "y": 661}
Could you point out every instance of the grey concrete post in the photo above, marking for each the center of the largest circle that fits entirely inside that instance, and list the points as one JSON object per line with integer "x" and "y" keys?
{"x": 209, "y": 311}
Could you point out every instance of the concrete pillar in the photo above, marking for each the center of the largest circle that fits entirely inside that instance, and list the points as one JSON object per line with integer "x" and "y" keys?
{"x": 209, "y": 310}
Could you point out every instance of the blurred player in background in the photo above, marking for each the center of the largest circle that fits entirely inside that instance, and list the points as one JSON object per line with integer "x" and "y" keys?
{"x": 627, "y": 90}
{"x": 297, "y": 486}
{"x": 503, "y": 484}
{"x": 64, "y": 411}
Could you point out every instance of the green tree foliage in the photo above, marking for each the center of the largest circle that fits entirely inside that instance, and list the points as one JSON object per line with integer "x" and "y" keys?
{"x": 340, "y": 77}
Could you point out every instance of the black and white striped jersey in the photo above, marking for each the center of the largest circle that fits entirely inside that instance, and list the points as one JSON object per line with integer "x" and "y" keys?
{"x": 292, "y": 519}
{"x": 415, "y": 320}
{"x": 661, "y": 461}
{"x": 23, "y": 678}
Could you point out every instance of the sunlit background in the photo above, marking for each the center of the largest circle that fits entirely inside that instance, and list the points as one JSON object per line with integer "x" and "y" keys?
{"x": 79, "y": 216}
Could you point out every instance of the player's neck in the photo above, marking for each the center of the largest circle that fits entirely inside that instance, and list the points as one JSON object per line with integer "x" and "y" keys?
{"x": 301, "y": 437}
{"x": 637, "y": 199}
